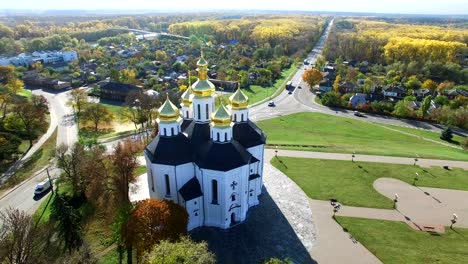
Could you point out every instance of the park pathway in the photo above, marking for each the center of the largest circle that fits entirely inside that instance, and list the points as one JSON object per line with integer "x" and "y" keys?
{"x": 368, "y": 158}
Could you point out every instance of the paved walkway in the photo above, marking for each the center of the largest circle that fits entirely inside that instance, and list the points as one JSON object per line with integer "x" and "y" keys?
{"x": 369, "y": 158}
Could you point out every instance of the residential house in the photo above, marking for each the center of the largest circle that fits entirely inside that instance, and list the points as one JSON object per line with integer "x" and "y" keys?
{"x": 358, "y": 99}
{"x": 348, "y": 87}
{"x": 395, "y": 92}
{"x": 421, "y": 93}
{"x": 453, "y": 93}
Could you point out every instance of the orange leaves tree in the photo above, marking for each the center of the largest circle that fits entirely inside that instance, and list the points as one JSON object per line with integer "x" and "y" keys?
{"x": 152, "y": 221}
{"x": 312, "y": 77}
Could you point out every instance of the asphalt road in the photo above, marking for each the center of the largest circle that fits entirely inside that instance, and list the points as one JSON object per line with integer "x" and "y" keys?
{"x": 22, "y": 195}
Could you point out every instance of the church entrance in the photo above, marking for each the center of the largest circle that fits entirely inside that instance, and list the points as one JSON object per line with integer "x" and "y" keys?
{"x": 233, "y": 219}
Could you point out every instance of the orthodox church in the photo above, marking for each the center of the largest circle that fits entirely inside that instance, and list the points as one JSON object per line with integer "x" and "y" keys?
{"x": 208, "y": 161}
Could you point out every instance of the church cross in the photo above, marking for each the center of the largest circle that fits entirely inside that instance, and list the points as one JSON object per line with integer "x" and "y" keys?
{"x": 233, "y": 184}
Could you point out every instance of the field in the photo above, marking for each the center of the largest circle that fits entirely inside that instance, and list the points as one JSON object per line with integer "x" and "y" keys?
{"x": 396, "y": 242}
{"x": 325, "y": 133}
{"x": 351, "y": 182}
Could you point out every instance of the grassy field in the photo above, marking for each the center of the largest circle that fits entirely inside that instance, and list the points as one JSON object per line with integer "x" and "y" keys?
{"x": 396, "y": 242}
{"x": 320, "y": 132}
{"x": 351, "y": 182}
{"x": 115, "y": 109}
{"x": 258, "y": 93}
{"x": 25, "y": 93}
{"x": 37, "y": 161}
{"x": 456, "y": 141}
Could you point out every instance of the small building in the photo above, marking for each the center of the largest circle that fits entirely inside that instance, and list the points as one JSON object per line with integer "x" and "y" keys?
{"x": 348, "y": 87}
{"x": 227, "y": 86}
{"x": 453, "y": 93}
{"x": 421, "y": 93}
{"x": 396, "y": 92}
{"x": 358, "y": 99}
{"x": 116, "y": 91}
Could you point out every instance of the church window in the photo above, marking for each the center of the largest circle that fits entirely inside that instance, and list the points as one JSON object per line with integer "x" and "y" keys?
{"x": 207, "y": 112}
{"x": 196, "y": 214}
{"x": 172, "y": 131}
{"x": 214, "y": 191}
{"x": 195, "y": 202}
{"x": 235, "y": 118}
{"x": 233, "y": 197}
{"x": 217, "y": 136}
{"x": 168, "y": 186}
{"x": 186, "y": 115}
{"x": 242, "y": 117}
{"x": 199, "y": 112}
{"x": 225, "y": 136}
{"x": 152, "y": 180}
{"x": 165, "y": 133}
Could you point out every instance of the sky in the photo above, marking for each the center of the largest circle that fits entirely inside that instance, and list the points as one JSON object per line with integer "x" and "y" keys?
{"x": 372, "y": 6}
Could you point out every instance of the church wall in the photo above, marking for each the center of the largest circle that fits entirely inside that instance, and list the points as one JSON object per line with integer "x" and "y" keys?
{"x": 186, "y": 110}
{"x": 258, "y": 152}
{"x": 162, "y": 192}
{"x": 184, "y": 173}
{"x": 195, "y": 211}
{"x": 202, "y": 102}
{"x": 170, "y": 129}
{"x": 240, "y": 115}
{"x": 253, "y": 192}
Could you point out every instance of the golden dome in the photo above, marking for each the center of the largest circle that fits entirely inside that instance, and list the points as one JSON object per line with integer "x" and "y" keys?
{"x": 239, "y": 100}
{"x": 203, "y": 87}
{"x": 168, "y": 111}
{"x": 186, "y": 99}
{"x": 221, "y": 117}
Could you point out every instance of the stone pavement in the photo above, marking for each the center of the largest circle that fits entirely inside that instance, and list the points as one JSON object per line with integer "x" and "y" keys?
{"x": 368, "y": 158}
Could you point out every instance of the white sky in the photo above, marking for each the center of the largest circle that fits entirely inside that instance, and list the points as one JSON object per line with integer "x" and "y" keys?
{"x": 378, "y": 6}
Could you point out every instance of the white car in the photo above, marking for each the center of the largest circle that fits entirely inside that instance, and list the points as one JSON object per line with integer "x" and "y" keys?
{"x": 42, "y": 187}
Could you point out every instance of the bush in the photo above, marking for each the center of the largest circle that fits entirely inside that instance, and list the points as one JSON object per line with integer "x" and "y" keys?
{"x": 464, "y": 143}
{"x": 331, "y": 99}
{"x": 446, "y": 134}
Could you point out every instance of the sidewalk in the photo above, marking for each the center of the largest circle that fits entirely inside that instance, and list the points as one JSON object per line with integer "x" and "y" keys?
{"x": 368, "y": 158}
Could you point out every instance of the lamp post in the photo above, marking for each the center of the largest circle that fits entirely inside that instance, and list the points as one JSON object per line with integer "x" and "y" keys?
{"x": 416, "y": 178}
{"x": 353, "y": 156}
{"x": 395, "y": 201}
{"x": 454, "y": 219}
{"x": 276, "y": 151}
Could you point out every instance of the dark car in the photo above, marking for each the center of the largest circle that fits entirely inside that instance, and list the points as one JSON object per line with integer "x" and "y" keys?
{"x": 356, "y": 113}
{"x": 271, "y": 104}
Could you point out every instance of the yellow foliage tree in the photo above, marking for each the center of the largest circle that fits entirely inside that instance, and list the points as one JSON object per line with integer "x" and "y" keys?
{"x": 312, "y": 77}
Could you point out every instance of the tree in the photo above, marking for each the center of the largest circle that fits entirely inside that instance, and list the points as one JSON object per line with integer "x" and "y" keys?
{"x": 9, "y": 144}
{"x": 68, "y": 223}
{"x": 413, "y": 83}
{"x": 336, "y": 84}
{"x": 15, "y": 85}
{"x": 426, "y": 104}
{"x": 19, "y": 237}
{"x": 464, "y": 144}
{"x": 331, "y": 99}
{"x": 114, "y": 75}
{"x": 161, "y": 55}
{"x": 367, "y": 86}
{"x": 71, "y": 161}
{"x": 402, "y": 109}
{"x": 430, "y": 85}
{"x": 124, "y": 162}
{"x": 441, "y": 100}
{"x": 97, "y": 114}
{"x": 278, "y": 261}
{"x": 78, "y": 99}
{"x": 446, "y": 134}
{"x": 32, "y": 117}
{"x": 184, "y": 251}
{"x": 312, "y": 77}
{"x": 320, "y": 63}
{"x": 154, "y": 220}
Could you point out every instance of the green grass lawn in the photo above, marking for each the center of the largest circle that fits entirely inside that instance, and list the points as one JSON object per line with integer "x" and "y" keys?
{"x": 456, "y": 140}
{"x": 326, "y": 133}
{"x": 258, "y": 93}
{"x": 351, "y": 182}
{"x": 25, "y": 93}
{"x": 396, "y": 242}
{"x": 37, "y": 161}
{"x": 42, "y": 214}
{"x": 115, "y": 109}
{"x": 140, "y": 170}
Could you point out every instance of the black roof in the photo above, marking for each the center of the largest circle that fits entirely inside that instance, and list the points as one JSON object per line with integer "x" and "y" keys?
{"x": 170, "y": 150}
{"x": 191, "y": 190}
{"x": 117, "y": 86}
{"x": 248, "y": 134}
{"x": 185, "y": 124}
{"x": 222, "y": 157}
{"x": 198, "y": 133}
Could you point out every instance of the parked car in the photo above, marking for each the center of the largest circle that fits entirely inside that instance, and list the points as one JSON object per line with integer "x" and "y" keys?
{"x": 356, "y": 113}
{"x": 271, "y": 104}
{"x": 42, "y": 187}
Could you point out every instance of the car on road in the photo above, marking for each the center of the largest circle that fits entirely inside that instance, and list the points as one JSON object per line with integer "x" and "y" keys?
{"x": 271, "y": 104}
{"x": 356, "y": 113}
{"x": 42, "y": 187}
{"x": 290, "y": 92}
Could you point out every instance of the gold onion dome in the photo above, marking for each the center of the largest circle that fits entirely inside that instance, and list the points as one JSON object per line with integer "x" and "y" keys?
{"x": 186, "y": 99}
{"x": 221, "y": 117}
{"x": 203, "y": 87}
{"x": 239, "y": 100}
{"x": 168, "y": 111}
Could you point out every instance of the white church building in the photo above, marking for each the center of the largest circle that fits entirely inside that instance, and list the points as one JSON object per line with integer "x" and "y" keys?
{"x": 208, "y": 161}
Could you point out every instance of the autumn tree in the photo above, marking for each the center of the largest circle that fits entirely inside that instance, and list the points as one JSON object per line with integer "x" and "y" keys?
{"x": 71, "y": 162}
{"x": 154, "y": 220}
{"x": 183, "y": 251}
{"x": 312, "y": 77}
{"x": 413, "y": 83}
{"x": 320, "y": 63}
{"x": 128, "y": 76}
{"x": 20, "y": 239}
{"x": 15, "y": 85}
{"x": 78, "y": 99}
{"x": 97, "y": 114}
{"x": 426, "y": 104}
{"x": 336, "y": 84}
{"x": 32, "y": 118}
{"x": 430, "y": 85}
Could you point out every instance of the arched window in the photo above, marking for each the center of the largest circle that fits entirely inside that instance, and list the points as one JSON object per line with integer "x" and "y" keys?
{"x": 225, "y": 136}
{"x": 217, "y": 136}
{"x": 235, "y": 117}
{"x": 168, "y": 186}
{"x": 214, "y": 192}
{"x": 199, "y": 112}
{"x": 207, "y": 112}
{"x": 187, "y": 114}
{"x": 172, "y": 131}
{"x": 242, "y": 117}
{"x": 152, "y": 180}
{"x": 165, "y": 132}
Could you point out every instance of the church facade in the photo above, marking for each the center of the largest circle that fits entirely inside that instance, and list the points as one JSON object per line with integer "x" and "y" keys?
{"x": 209, "y": 161}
